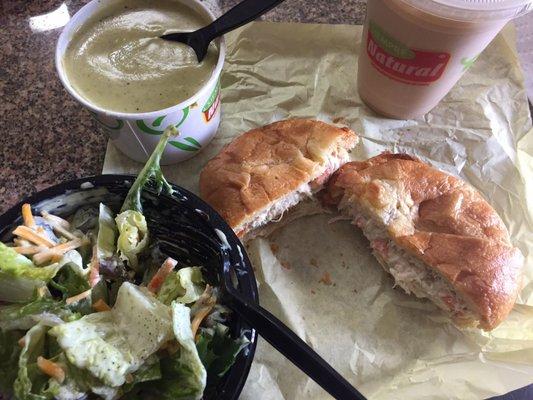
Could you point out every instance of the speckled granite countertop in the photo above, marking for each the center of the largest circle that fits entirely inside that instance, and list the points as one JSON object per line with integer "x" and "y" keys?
{"x": 46, "y": 136}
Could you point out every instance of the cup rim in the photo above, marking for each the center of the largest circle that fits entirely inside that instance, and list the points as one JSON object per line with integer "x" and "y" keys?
{"x": 75, "y": 23}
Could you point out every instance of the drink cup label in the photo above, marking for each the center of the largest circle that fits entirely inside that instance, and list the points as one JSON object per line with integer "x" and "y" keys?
{"x": 399, "y": 62}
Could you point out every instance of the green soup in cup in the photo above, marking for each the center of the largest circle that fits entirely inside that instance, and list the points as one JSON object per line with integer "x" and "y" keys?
{"x": 110, "y": 58}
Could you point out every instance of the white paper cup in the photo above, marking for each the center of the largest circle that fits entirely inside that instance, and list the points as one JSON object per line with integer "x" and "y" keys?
{"x": 136, "y": 134}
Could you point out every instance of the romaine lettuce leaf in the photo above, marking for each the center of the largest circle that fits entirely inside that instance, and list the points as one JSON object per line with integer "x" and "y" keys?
{"x": 75, "y": 260}
{"x": 69, "y": 282}
{"x": 17, "y": 265}
{"x": 148, "y": 372}
{"x": 19, "y": 277}
{"x": 78, "y": 383}
{"x": 31, "y": 383}
{"x": 151, "y": 169}
{"x": 185, "y": 286}
{"x": 113, "y": 344}
{"x": 107, "y": 233}
{"x": 9, "y": 356}
{"x": 187, "y": 368}
{"x": 24, "y": 316}
{"x": 18, "y": 289}
{"x": 133, "y": 236}
{"x": 183, "y": 375}
{"x": 218, "y": 351}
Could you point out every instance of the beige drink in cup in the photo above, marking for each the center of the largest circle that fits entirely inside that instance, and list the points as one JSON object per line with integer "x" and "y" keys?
{"x": 414, "y": 51}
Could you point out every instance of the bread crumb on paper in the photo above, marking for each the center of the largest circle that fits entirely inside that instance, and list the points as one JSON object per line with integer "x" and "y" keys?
{"x": 285, "y": 264}
{"x": 274, "y": 247}
{"x": 313, "y": 262}
{"x": 339, "y": 120}
{"x": 326, "y": 279}
{"x": 312, "y": 291}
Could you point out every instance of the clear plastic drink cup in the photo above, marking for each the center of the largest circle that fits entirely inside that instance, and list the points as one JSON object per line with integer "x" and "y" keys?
{"x": 414, "y": 51}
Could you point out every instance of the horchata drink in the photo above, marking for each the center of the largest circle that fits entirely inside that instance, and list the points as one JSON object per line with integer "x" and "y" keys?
{"x": 414, "y": 51}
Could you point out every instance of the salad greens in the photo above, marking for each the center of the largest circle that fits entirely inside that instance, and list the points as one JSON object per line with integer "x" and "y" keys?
{"x": 84, "y": 311}
{"x": 185, "y": 286}
{"x": 9, "y": 358}
{"x": 19, "y": 277}
{"x": 152, "y": 169}
{"x": 133, "y": 236}
{"x": 107, "y": 233}
{"x": 31, "y": 383}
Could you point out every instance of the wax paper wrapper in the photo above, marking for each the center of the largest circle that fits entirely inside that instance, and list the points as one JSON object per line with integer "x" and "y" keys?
{"x": 320, "y": 277}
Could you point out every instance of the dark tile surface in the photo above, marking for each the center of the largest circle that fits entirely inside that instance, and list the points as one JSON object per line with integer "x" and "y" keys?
{"x": 46, "y": 136}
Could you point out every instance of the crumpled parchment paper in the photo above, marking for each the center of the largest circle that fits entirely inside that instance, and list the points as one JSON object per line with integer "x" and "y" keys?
{"x": 320, "y": 277}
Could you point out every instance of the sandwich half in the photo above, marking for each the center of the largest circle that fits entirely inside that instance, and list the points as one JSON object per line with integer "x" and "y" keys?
{"x": 265, "y": 172}
{"x": 435, "y": 234}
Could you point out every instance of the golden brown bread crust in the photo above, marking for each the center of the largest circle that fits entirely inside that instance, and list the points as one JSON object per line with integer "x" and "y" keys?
{"x": 441, "y": 220}
{"x": 266, "y": 163}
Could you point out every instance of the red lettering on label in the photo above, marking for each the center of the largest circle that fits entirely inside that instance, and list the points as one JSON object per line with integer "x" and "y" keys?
{"x": 425, "y": 67}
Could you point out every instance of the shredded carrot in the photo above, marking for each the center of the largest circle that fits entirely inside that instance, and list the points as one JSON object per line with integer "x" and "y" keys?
{"x": 157, "y": 281}
{"x": 94, "y": 268}
{"x": 78, "y": 297}
{"x": 171, "y": 347}
{"x": 27, "y": 216}
{"x": 63, "y": 232}
{"x": 21, "y": 242}
{"x": 55, "y": 220}
{"x": 207, "y": 301}
{"x": 59, "y": 225}
{"x": 101, "y": 305}
{"x": 29, "y": 250}
{"x": 70, "y": 245}
{"x": 199, "y": 317}
{"x": 29, "y": 234}
{"x": 57, "y": 251}
{"x": 51, "y": 369}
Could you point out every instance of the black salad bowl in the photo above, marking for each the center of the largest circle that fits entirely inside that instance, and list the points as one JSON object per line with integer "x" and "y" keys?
{"x": 187, "y": 229}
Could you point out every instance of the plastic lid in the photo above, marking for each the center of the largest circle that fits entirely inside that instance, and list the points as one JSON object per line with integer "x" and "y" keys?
{"x": 473, "y": 10}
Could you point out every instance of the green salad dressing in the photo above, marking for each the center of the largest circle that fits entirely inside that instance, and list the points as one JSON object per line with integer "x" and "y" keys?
{"x": 116, "y": 60}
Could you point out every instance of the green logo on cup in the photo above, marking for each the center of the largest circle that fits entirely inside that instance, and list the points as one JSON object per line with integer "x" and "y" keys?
{"x": 389, "y": 44}
{"x": 156, "y": 127}
{"x": 468, "y": 62}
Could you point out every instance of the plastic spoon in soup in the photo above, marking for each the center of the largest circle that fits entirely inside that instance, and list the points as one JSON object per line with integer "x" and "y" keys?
{"x": 244, "y": 12}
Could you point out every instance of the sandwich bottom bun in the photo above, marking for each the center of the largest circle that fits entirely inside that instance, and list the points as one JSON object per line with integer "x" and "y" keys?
{"x": 434, "y": 233}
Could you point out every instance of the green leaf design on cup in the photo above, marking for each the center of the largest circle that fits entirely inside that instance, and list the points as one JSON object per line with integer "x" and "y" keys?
{"x": 389, "y": 44}
{"x": 211, "y": 98}
{"x": 158, "y": 121}
{"x": 193, "y": 146}
{"x": 193, "y": 141}
{"x": 143, "y": 126}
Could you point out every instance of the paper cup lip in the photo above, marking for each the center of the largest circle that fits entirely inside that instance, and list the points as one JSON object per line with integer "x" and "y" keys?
{"x": 90, "y": 8}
